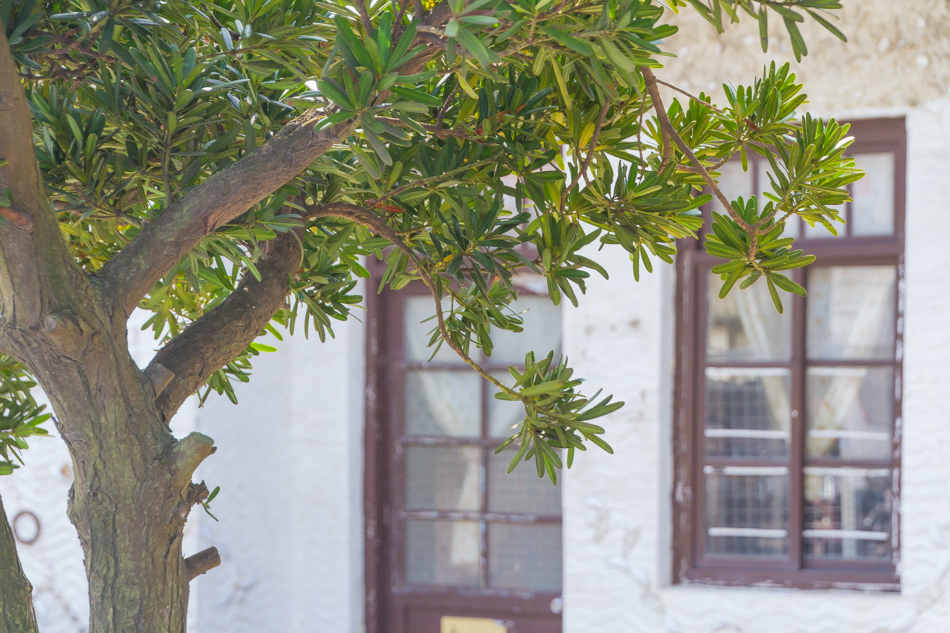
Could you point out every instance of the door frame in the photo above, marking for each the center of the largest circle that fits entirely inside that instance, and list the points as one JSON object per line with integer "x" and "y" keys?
{"x": 383, "y": 605}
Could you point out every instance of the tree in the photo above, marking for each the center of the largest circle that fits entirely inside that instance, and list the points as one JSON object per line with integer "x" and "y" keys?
{"x": 226, "y": 166}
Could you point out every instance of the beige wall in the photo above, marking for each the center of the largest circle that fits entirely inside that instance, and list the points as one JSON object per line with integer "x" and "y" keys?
{"x": 897, "y": 55}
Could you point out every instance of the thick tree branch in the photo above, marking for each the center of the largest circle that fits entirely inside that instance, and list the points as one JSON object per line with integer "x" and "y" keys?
{"x": 188, "y": 454}
{"x": 222, "y": 333}
{"x": 199, "y": 563}
{"x": 228, "y": 194}
{"x": 37, "y": 274}
{"x": 221, "y": 198}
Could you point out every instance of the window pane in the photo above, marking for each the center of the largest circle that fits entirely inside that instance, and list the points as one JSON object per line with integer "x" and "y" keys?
{"x": 520, "y": 490}
{"x": 417, "y": 333}
{"x": 524, "y": 557}
{"x": 734, "y": 182}
{"x": 443, "y": 478}
{"x": 850, "y": 411}
{"x": 443, "y": 403}
{"x": 745, "y": 326}
{"x": 442, "y": 552}
{"x": 542, "y": 332}
{"x": 851, "y": 312}
{"x": 847, "y": 513}
{"x": 872, "y": 212}
{"x": 792, "y": 224}
{"x": 503, "y": 415}
{"x": 747, "y": 412}
{"x": 747, "y": 511}
{"x": 819, "y": 232}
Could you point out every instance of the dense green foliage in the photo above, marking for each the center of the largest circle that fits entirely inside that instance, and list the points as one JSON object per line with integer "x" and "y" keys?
{"x": 531, "y": 133}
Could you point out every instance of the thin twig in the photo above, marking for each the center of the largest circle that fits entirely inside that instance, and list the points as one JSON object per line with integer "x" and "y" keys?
{"x": 668, "y": 127}
{"x": 437, "y": 130}
{"x": 705, "y": 103}
{"x": 590, "y": 153}
{"x": 373, "y": 221}
{"x": 425, "y": 181}
{"x": 445, "y": 106}
{"x": 364, "y": 16}
{"x": 397, "y": 23}
{"x": 649, "y": 80}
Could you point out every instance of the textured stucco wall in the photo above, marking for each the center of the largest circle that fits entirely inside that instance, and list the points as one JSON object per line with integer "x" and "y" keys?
{"x": 289, "y": 464}
{"x": 897, "y": 55}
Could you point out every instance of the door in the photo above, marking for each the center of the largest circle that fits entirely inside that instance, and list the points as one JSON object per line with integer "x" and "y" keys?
{"x": 449, "y": 533}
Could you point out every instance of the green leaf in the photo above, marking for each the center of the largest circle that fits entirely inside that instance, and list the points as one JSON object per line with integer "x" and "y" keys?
{"x": 334, "y": 92}
{"x": 565, "y": 39}
{"x": 474, "y": 45}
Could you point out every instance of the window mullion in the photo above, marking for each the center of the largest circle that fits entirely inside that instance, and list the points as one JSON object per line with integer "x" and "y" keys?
{"x": 797, "y": 446}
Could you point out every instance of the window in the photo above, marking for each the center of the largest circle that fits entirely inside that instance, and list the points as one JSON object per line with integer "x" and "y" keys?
{"x": 449, "y": 533}
{"x": 787, "y": 427}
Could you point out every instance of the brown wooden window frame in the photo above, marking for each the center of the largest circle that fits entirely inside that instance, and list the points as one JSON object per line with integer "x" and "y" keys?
{"x": 690, "y": 565}
{"x": 388, "y": 592}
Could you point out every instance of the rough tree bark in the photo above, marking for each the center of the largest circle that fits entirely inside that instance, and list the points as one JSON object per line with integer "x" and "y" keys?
{"x": 132, "y": 490}
{"x": 16, "y": 607}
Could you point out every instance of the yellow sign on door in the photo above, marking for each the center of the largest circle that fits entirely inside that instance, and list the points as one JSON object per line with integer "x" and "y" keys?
{"x": 452, "y": 624}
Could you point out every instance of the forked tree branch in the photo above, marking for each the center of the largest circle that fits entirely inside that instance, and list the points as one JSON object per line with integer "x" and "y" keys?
{"x": 669, "y": 131}
{"x": 225, "y": 331}
{"x": 220, "y": 199}
{"x": 228, "y": 194}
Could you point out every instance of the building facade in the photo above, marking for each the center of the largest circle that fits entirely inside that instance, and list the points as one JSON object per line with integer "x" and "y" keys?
{"x": 771, "y": 474}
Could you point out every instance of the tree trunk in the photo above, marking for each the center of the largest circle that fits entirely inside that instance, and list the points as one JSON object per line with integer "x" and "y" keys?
{"x": 132, "y": 490}
{"x": 16, "y": 602}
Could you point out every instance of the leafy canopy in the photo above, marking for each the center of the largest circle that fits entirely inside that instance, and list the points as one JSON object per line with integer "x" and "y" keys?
{"x": 481, "y": 140}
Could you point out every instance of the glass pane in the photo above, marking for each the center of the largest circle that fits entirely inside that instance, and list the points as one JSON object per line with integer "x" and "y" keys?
{"x": 443, "y": 403}
{"x": 747, "y": 511}
{"x": 819, "y": 232}
{"x": 733, "y": 182}
{"x": 851, "y": 312}
{"x": 504, "y": 416}
{"x": 847, "y": 513}
{"x": 524, "y": 557}
{"x": 443, "y": 478}
{"x": 542, "y": 332}
{"x": 747, "y": 412}
{"x": 745, "y": 326}
{"x": 417, "y": 334}
{"x": 850, "y": 411}
{"x": 792, "y": 224}
{"x": 520, "y": 490}
{"x": 872, "y": 212}
{"x": 442, "y": 552}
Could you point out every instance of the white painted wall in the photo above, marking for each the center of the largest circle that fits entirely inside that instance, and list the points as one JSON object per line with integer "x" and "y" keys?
{"x": 289, "y": 463}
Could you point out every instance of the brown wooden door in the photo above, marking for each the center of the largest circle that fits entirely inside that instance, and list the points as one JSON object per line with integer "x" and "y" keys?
{"x": 449, "y": 533}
